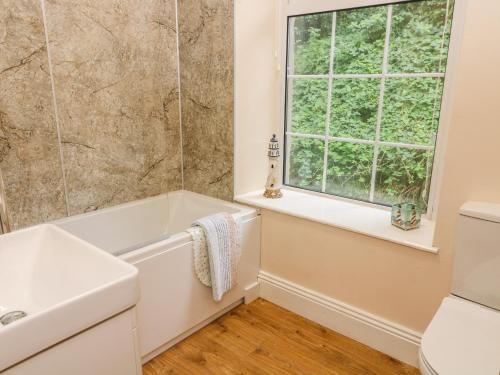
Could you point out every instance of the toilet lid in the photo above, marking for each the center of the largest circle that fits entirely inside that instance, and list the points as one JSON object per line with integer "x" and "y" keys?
{"x": 462, "y": 339}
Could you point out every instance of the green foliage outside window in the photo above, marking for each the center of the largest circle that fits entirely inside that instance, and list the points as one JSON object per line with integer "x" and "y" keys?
{"x": 349, "y": 170}
{"x": 359, "y": 42}
{"x": 354, "y": 108}
{"x": 418, "y": 43}
{"x": 306, "y": 163}
{"x": 308, "y": 102}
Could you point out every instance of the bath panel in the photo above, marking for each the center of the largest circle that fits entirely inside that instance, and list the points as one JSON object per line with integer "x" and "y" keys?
{"x": 173, "y": 302}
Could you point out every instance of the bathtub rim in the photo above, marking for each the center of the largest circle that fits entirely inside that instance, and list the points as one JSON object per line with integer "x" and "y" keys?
{"x": 243, "y": 211}
{"x": 243, "y": 214}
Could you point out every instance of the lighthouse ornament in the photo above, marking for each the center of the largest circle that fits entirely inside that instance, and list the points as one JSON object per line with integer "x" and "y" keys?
{"x": 273, "y": 184}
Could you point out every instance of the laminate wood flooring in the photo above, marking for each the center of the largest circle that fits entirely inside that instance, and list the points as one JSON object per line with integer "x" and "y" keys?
{"x": 262, "y": 338}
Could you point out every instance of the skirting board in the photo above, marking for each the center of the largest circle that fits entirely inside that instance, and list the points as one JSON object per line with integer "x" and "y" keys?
{"x": 390, "y": 338}
{"x": 252, "y": 292}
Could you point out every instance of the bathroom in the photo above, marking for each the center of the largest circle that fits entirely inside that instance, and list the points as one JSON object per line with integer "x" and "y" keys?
{"x": 126, "y": 126}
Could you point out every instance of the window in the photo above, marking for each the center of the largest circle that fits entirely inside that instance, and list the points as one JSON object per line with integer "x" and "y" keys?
{"x": 363, "y": 100}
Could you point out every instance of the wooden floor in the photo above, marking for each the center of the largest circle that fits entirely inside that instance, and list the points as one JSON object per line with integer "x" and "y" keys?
{"x": 262, "y": 338}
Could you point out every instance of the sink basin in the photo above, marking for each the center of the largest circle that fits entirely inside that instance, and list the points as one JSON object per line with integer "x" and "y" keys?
{"x": 63, "y": 284}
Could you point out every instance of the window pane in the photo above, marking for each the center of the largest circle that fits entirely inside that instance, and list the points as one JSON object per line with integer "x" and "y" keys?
{"x": 419, "y": 41}
{"x": 411, "y": 110}
{"x": 420, "y": 36}
{"x": 309, "y": 102}
{"x": 354, "y": 108}
{"x": 403, "y": 175}
{"x": 310, "y": 44}
{"x": 359, "y": 41}
{"x": 306, "y": 163}
{"x": 349, "y": 170}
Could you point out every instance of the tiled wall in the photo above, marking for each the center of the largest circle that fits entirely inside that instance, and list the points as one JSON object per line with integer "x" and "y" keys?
{"x": 206, "y": 61}
{"x": 114, "y": 64}
{"x": 29, "y": 147}
{"x": 99, "y": 124}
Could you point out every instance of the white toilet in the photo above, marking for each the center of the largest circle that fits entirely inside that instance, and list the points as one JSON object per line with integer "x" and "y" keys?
{"x": 464, "y": 335}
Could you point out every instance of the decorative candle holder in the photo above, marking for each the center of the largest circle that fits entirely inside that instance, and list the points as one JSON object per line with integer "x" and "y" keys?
{"x": 405, "y": 216}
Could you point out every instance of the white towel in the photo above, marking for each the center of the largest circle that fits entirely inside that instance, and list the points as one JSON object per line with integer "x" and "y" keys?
{"x": 216, "y": 251}
{"x": 200, "y": 255}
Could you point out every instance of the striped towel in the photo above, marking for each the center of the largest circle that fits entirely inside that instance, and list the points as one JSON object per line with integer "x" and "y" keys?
{"x": 217, "y": 252}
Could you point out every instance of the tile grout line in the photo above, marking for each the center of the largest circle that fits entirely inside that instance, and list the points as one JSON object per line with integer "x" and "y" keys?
{"x": 54, "y": 102}
{"x": 179, "y": 87}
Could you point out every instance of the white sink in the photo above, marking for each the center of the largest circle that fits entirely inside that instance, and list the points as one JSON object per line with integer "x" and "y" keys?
{"x": 64, "y": 284}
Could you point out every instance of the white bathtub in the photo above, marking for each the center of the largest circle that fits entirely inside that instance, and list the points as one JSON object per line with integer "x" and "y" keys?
{"x": 173, "y": 302}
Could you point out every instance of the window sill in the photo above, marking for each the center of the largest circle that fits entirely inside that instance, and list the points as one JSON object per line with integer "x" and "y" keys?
{"x": 369, "y": 221}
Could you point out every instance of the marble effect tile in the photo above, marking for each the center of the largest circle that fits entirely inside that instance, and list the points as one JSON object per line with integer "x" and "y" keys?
{"x": 114, "y": 66}
{"x": 206, "y": 60}
{"x": 115, "y": 72}
{"x": 29, "y": 154}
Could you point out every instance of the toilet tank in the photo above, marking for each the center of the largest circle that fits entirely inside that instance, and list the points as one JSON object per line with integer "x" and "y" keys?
{"x": 476, "y": 274}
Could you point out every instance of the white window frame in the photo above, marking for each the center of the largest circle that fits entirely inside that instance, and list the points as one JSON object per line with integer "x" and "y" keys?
{"x": 288, "y": 8}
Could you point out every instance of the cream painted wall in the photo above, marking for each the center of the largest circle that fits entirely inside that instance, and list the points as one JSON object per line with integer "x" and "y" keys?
{"x": 398, "y": 283}
{"x": 256, "y": 90}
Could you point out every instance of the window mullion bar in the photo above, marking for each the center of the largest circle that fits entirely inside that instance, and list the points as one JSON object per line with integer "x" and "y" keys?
{"x": 310, "y": 136}
{"x": 351, "y": 140}
{"x": 405, "y": 145}
{"x": 329, "y": 100}
{"x": 288, "y": 149}
{"x": 290, "y": 67}
{"x": 304, "y": 76}
{"x": 415, "y": 75}
{"x": 385, "y": 63}
{"x": 361, "y": 141}
{"x": 369, "y": 75}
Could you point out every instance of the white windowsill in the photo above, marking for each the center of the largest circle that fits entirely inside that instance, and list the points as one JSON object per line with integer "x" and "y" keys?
{"x": 358, "y": 218}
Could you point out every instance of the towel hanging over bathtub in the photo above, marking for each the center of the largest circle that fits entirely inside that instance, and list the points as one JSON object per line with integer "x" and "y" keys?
{"x": 217, "y": 252}
{"x": 200, "y": 255}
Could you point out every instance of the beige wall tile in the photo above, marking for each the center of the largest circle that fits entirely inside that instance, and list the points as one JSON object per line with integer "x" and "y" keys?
{"x": 115, "y": 70}
{"x": 206, "y": 60}
{"x": 29, "y": 154}
{"x": 115, "y": 73}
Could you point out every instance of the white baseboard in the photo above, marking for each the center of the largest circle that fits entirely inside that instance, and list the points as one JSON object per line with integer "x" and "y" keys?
{"x": 252, "y": 292}
{"x": 388, "y": 337}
